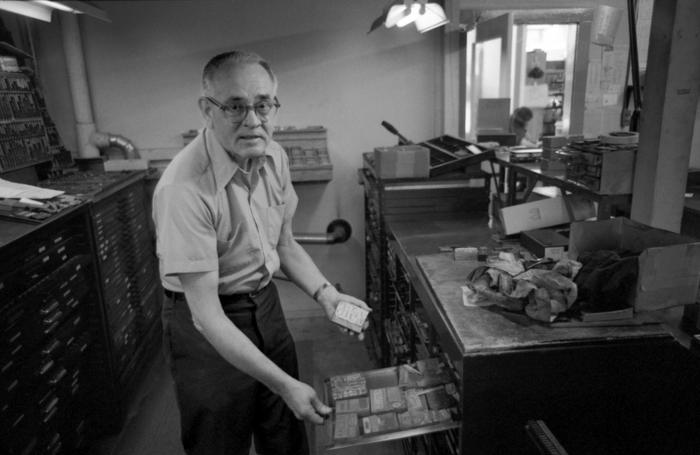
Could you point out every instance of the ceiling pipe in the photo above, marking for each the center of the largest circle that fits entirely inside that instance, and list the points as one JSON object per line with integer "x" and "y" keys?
{"x": 105, "y": 141}
{"x": 79, "y": 88}
{"x": 91, "y": 142}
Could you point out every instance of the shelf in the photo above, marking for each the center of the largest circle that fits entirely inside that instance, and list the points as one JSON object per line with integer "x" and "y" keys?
{"x": 323, "y": 173}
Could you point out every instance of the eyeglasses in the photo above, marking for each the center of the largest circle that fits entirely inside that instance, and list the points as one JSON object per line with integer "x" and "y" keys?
{"x": 237, "y": 111}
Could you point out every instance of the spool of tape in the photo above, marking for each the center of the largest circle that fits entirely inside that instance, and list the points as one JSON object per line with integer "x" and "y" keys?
{"x": 620, "y": 137}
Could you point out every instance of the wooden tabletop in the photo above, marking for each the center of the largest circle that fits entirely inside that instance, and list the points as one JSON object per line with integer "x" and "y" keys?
{"x": 439, "y": 280}
{"x": 482, "y": 329}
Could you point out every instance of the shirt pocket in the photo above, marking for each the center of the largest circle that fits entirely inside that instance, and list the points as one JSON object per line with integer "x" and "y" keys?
{"x": 275, "y": 220}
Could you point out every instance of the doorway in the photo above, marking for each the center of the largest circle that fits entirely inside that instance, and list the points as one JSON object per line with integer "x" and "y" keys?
{"x": 536, "y": 59}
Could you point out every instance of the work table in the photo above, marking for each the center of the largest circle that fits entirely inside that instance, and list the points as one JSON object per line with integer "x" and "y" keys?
{"x": 479, "y": 329}
{"x": 579, "y": 379}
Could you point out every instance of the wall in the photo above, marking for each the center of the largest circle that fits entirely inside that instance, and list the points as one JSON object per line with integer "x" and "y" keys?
{"x": 144, "y": 73}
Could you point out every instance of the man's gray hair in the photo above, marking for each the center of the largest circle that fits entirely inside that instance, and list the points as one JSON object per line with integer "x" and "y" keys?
{"x": 233, "y": 58}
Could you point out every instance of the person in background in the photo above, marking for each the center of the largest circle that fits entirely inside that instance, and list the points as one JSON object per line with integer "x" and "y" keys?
{"x": 223, "y": 212}
{"x": 518, "y": 125}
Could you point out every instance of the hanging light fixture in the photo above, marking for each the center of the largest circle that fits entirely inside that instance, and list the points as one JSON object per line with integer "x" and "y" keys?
{"x": 426, "y": 16}
{"x": 433, "y": 17}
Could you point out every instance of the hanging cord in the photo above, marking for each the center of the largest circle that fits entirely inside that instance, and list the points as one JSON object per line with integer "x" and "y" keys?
{"x": 634, "y": 64}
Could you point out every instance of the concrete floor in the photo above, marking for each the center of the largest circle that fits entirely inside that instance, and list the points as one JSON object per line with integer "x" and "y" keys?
{"x": 152, "y": 425}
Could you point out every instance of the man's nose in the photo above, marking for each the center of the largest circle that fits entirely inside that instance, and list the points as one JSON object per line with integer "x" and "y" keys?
{"x": 251, "y": 118}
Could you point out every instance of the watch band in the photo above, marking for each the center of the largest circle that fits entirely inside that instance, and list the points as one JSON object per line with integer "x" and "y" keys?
{"x": 320, "y": 289}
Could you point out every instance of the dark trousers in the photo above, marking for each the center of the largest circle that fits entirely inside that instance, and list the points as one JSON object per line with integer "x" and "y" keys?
{"x": 220, "y": 406}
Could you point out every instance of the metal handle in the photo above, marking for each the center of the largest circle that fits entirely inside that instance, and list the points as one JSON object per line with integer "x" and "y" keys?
{"x": 338, "y": 231}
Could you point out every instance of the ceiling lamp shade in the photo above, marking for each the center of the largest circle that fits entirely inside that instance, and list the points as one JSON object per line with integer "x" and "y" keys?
{"x": 426, "y": 16}
{"x": 433, "y": 17}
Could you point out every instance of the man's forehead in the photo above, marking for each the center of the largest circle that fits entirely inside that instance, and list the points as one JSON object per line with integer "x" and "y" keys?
{"x": 242, "y": 74}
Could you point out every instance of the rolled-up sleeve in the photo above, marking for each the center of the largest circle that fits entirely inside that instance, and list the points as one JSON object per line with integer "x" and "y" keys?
{"x": 186, "y": 238}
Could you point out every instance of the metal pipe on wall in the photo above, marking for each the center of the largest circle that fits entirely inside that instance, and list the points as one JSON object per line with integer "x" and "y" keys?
{"x": 79, "y": 88}
{"x": 338, "y": 231}
{"x": 103, "y": 141}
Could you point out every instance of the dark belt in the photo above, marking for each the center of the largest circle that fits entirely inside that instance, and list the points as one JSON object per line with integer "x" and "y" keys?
{"x": 225, "y": 298}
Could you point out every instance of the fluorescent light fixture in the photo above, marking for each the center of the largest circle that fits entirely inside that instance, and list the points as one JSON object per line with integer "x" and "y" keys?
{"x": 426, "y": 16}
{"x": 56, "y": 5}
{"x": 433, "y": 17}
{"x": 28, "y": 9}
{"x": 42, "y": 9}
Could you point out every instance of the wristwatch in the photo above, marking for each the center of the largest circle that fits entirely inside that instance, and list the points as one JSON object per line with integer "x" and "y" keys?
{"x": 320, "y": 290}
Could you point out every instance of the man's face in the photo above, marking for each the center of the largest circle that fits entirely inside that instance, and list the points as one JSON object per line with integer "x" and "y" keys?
{"x": 247, "y": 84}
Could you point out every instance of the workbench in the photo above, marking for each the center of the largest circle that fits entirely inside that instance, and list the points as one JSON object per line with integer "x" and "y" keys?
{"x": 601, "y": 390}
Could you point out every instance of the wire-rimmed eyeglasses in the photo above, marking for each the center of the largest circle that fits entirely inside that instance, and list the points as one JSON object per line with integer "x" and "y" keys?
{"x": 236, "y": 111}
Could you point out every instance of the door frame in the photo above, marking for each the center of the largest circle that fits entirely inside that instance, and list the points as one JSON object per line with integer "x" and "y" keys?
{"x": 455, "y": 56}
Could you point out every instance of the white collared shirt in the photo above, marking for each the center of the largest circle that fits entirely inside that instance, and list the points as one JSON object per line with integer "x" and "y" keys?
{"x": 207, "y": 218}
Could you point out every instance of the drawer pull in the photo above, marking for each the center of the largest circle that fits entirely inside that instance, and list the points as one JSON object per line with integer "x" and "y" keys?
{"x": 18, "y": 421}
{"x": 50, "y": 413}
{"x": 53, "y": 318}
{"x": 55, "y": 344}
{"x": 51, "y": 407}
{"x": 7, "y": 366}
{"x": 50, "y": 328}
{"x": 15, "y": 336}
{"x": 50, "y": 309}
{"x": 46, "y": 367}
{"x": 58, "y": 376}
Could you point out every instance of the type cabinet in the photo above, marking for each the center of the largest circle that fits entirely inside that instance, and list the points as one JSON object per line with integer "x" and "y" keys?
{"x": 51, "y": 343}
{"x": 130, "y": 293}
{"x": 79, "y": 316}
{"x": 404, "y": 200}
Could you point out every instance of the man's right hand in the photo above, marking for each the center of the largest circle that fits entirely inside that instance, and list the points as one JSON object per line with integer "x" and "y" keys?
{"x": 304, "y": 402}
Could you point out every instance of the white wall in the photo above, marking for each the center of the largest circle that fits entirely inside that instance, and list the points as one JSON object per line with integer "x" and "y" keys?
{"x": 144, "y": 72}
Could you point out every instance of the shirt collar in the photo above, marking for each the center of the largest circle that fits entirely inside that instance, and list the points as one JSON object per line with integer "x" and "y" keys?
{"x": 224, "y": 166}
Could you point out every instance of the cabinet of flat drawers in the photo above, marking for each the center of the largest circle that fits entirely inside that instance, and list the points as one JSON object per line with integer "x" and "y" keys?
{"x": 129, "y": 287}
{"x": 129, "y": 291}
{"x": 49, "y": 336}
{"x": 402, "y": 200}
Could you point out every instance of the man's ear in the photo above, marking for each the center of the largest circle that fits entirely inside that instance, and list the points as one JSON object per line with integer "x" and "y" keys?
{"x": 205, "y": 108}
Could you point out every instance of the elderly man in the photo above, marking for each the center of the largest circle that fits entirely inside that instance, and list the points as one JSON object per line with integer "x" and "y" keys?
{"x": 223, "y": 213}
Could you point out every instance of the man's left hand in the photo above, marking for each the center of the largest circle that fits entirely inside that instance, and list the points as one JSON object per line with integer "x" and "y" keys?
{"x": 329, "y": 298}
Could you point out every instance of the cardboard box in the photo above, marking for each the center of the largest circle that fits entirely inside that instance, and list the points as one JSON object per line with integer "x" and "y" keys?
{"x": 402, "y": 161}
{"x": 544, "y": 213}
{"x": 607, "y": 172}
{"x": 545, "y": 243}
{"x": 669, "y": 263}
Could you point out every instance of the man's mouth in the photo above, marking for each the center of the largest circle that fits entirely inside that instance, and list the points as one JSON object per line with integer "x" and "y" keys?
{"x": 250, "y": 137}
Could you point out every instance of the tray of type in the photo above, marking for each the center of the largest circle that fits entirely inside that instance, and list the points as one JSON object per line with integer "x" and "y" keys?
{"x": 390, "y": 403}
